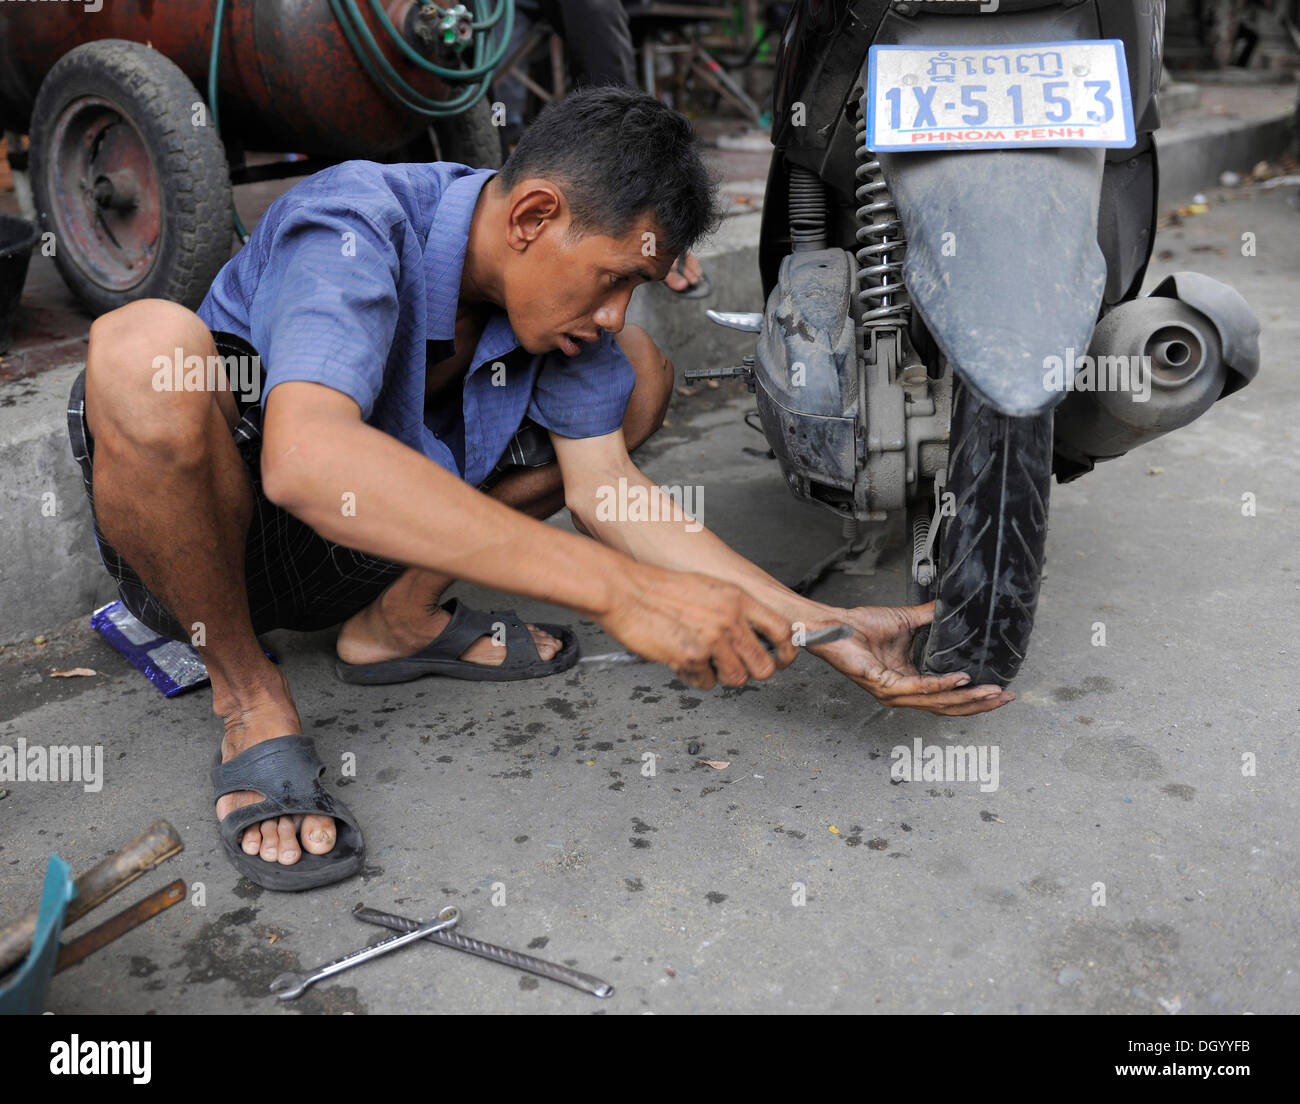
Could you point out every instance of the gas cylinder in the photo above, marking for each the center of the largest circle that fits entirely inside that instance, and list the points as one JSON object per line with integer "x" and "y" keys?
{"x": 289, "y": 79}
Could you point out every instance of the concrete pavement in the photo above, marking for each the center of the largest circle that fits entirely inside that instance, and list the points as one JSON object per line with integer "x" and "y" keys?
{"x": 1120, "y": 772}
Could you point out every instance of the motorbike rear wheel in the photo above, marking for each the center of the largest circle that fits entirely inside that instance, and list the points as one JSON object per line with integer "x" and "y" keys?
{"x": 989, "y": 556}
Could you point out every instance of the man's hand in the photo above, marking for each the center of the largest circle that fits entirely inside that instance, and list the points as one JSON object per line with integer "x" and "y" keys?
{"x": 702, "y": 628}
{"x": 878, "y": 658}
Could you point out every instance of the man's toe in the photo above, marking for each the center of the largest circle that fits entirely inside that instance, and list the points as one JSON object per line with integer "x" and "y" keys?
{"x": 251, "y": 841}
{"x": 270, "y": 840}
{"x": 288, "y": 842}
{"x": 317, "y": 834}
{"x": 547, "y": 646}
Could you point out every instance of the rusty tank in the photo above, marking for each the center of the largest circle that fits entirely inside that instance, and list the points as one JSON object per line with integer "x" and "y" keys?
{"x": 132, "y": 161}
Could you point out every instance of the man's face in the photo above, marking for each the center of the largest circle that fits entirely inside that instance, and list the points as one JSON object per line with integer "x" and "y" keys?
{"x": 562, "y": 291}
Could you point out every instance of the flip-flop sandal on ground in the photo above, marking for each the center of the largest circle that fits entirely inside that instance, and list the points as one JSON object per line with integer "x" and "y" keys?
{"x": 442, "y": 657}
{"x": 702, "y": 287}
{"x": 287, "y": 770}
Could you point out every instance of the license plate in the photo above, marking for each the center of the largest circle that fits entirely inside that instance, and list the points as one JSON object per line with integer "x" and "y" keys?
{"x": 997, "y": 97}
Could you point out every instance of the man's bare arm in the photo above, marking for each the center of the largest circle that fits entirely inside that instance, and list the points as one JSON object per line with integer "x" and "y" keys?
{"x": 593, "y": 466}
{"x": 318, "y": 456}
{"x": 876, "y": 657}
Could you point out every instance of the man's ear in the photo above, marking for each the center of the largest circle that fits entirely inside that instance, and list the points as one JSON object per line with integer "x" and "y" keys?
{"x": 535, "y": 206}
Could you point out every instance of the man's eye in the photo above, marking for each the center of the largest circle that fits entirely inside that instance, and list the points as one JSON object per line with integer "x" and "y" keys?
{"x": 614, "y": 281}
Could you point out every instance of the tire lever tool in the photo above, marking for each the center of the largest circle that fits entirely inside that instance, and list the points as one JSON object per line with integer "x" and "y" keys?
{"x": 821, "y": 636}
{"x": 520, "y": 961}
{"x": 290, "y": 985}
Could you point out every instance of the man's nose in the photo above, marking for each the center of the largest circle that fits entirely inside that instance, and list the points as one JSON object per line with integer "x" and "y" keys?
{"x": 611, "y": 316}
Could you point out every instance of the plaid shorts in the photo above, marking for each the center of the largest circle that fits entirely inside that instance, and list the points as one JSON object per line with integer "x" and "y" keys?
{"x": 295, "y": 578}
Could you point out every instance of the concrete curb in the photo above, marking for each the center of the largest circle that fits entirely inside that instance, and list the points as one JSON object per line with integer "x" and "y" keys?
{"x": 49, "y": 567}
{"x": 1193, "y": 155}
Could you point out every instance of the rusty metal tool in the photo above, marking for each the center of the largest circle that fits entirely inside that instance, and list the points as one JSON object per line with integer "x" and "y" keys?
{"x": 73, "y": 952}
{"x": 159, "y": 842}
{"x": 821, "y": 636}
{"x": 520, "y": 961}
{"x": 292, "y": 984}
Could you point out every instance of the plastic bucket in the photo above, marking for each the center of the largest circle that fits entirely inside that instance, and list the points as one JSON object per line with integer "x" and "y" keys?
{"x": 17, "y": 239}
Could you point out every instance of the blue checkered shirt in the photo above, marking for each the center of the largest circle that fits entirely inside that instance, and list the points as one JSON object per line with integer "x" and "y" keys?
{"x": 351, "y": 280}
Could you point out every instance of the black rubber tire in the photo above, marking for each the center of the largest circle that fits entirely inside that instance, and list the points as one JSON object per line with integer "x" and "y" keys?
{"x": 990, "y": 555}
{"x": 189, "y": 162}
{"x": 470, "y": 138}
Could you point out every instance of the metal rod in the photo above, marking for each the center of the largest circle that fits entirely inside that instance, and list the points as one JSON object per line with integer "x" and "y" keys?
{"x": 103, "y": 934}
{"x": 120, "y": 869}
{"x": 520, "y": 961}
{"x": 293, "y": 983}
{"x": 821, "y": 636}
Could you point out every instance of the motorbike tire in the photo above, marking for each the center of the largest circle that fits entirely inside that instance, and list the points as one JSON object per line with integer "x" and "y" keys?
{"x": 179, "y": 169}
{"x": 989, "y": 557}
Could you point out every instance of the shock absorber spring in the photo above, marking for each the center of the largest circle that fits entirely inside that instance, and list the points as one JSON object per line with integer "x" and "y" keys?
{"x": 881, "y": 293}
{"x": 807, "y": 210}
{"x": 922, "y": 566}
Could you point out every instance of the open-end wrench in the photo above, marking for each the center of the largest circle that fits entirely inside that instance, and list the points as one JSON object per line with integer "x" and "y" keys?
{"x": 811, "y": 640}
{"x": 520, "y": 961}
{"x": 290, "y": 985}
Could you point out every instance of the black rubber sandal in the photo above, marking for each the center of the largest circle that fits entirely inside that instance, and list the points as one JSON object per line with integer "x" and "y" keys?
{"x": 442, "y": 657}
{"x": 287, "y": 771}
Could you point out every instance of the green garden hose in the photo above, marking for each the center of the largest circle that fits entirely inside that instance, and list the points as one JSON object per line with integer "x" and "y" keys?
{"x": 213, "y": 65}
{"x": 496, "y": 27}
{"x": 491, "y": 40}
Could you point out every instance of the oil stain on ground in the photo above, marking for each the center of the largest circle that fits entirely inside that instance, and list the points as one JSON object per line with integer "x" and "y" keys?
{"x": 1112, "y": 760}
{"x": 227, "y": 949}
{"x": 1113, "y": 969}
{"x": 1094, "y": 684}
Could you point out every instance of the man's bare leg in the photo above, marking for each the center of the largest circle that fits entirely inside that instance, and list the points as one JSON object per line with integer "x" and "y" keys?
{"x": 173, "y": 497}
{"x": 407, "y": 617}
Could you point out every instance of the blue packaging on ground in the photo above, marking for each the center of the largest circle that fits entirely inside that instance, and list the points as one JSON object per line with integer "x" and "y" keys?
{"x": 170, "y": 665}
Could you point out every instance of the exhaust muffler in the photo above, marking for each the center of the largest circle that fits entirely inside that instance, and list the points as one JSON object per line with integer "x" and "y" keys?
{"x": 1154, "y": 365}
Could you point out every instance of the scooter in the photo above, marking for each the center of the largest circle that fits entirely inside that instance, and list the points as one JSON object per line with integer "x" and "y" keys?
{"x": 958, "y": 218}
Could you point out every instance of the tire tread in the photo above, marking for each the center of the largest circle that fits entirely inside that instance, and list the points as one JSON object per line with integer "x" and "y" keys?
{"x": 189, "y": 161}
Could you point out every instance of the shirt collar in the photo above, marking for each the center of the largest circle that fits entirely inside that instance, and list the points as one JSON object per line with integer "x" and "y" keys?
{"x": 444, "y": 259}
{"x": 444, "y": 252}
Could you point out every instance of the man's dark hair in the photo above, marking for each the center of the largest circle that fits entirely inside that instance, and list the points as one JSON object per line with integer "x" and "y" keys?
{"x": 619, "y": 154}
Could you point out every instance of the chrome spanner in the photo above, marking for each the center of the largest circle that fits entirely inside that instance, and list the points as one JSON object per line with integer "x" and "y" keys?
{"x": 290, "y": 985}
{"x": 520, "y": 961}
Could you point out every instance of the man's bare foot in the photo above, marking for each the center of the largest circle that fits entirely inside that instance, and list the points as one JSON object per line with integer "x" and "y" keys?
{"x": 388, "y": 629}
{"x": 266, "y": 717}
{"x": 693, "y": 271}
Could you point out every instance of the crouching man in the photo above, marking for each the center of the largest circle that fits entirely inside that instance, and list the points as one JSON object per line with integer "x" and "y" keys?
{"x": 442, "y": 361}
